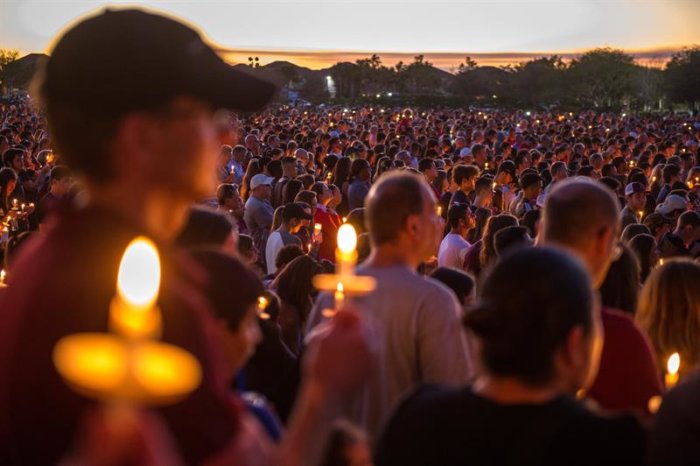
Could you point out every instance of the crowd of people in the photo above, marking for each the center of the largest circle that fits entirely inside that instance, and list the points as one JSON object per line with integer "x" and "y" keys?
{"x": 535, "y": 270}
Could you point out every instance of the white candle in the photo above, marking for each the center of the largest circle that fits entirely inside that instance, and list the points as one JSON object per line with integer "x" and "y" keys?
{"x": 672, "y": 367}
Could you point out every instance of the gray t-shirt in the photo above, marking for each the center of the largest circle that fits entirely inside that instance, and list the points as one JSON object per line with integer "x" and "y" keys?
{"x": 357, "y": 192}
{"x": 416, "y": 323}
{"x": 258, "y": 218}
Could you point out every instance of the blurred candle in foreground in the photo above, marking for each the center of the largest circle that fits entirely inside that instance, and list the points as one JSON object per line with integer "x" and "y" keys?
{"x": 133, "y": 312}
{"x": 2, "y": 279}
{"x": 672, "y": 367}
{"x": 339, "y": 296}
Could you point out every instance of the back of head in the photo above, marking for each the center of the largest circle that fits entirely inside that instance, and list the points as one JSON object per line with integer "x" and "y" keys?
{"x": 620, "y": 289}
{"x": 390, "y": 202}
{"x": 225, "y": 191}
{"x": 577, "y": 209}
{"x": 633, "y": 230}
{"x": 689, "y": 219}
{"x": 511, "y": 237}
{"x": 669, "y": 310}
{"x": 230, "y": 287}
{"x": 530, "y": 302}
{"x": 204, "y": 227}
{"x": 459, "y": 282}
{"x": 457, "y": 212}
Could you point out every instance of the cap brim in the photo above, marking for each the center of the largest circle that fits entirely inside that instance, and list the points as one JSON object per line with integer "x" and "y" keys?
{"x": 236, "y": 89}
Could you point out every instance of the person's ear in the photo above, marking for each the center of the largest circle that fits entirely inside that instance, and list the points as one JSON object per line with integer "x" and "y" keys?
{"x": 574, "y": 358}
{"x": 413, "y": 226}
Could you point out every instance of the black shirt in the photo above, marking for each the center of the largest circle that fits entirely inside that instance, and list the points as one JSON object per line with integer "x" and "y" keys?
{"x": 444, "y": 427}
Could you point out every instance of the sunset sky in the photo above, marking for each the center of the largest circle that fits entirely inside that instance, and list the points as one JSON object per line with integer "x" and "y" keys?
{"x": 318, "y": 33}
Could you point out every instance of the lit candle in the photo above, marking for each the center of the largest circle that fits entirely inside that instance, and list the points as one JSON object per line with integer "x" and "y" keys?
{"x": 127, "y": 365}
{"x": 493, "y": 186}
{"x": 346, "y": 256}
{"x": 262, "y": 305}
{"x": 653, "y": 179}
{"x": 133, "y": 311}
{"x": 641, "y": 214}
{"x": 317, "y": 228}
{"x": 672, "y": 367}
{"x": 661, "y": 261}
{"x": 486, "y": 165}
{"x": 14, "y": 204}
{"x": 24, "y": 206}
{"x": 345, "y": 219}
{"x": 2, "y": 279}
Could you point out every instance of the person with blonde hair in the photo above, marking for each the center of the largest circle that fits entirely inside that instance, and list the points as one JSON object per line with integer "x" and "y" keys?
{"x": 669, "y": 312}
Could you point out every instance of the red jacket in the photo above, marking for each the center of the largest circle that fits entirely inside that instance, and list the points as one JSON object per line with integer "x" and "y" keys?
{"x": 628, "y": 376}
{"x": 330, "y": 222}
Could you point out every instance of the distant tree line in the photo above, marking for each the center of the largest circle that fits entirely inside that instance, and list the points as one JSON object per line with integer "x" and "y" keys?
{"x": 600, "y": 79}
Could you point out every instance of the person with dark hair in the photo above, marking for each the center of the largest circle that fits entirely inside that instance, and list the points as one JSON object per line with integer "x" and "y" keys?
{"x": 532, "y": 187}
{"x": 294, "y": 287}
{"x": 644, "y": 247}
{"x": 228, "y": 200}
{"x": 360, "y": 176}
{"x": 143, "y": 137}
{"x": 539, "y": 340}
{"x": 487, "y": 252}
{"x": 286, "y": 255}
{"x": 461, "y": 284}
{"x": 415, "y": 318}
{"x": 511, "y": 237}
{"x": 581, "y": 216}
{"x": 290, "y": 191}
{"x": 658, "y": 225}
{"x": 633, "y": 230}
{"x": 207, "y": 227}
{"x": 247, "y": 250}
{"x": 464, "y": 178}
{"x": 683, "y": 241}
{"x": 671, "y": 175}
{"x": 289, "y": 172}
{"x": 8, "y": 182}
{"x": 531, "y": 221}
{"x": 293, "y": 216}
{"x": 620, "y": 288}
{"x": 428, "y": 169}
{"x": 454, "y": 245}
{"x": 483, "y": 193}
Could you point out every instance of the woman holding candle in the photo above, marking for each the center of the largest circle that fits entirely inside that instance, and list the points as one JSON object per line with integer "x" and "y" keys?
{"x": 669, "y": 312}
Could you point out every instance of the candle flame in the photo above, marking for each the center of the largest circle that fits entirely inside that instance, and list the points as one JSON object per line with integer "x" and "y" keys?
{"x": 139, "y": 274}
{"x": 2, "y": 276}
{"x": 347, "y": 239}
{"x": 673, "y": 364}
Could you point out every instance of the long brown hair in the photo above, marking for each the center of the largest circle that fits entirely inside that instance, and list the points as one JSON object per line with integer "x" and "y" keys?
{"x": 669, "y": 311}
{"x": 493, "y": 225}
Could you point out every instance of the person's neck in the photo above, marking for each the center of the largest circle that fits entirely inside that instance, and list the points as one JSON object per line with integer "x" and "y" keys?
{"x": 159, "y": 213}
{"x": 511, "y": 391}
{"x": 390, "y": 255}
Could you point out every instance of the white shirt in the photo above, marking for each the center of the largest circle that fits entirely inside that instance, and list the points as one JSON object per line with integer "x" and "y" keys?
{"x": 452, "y": 250}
